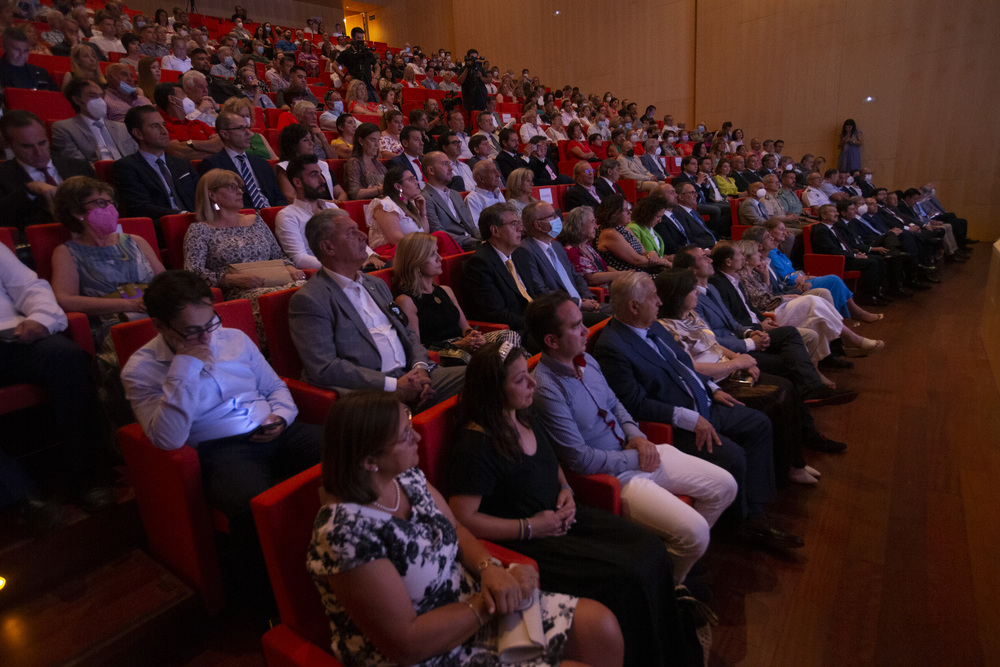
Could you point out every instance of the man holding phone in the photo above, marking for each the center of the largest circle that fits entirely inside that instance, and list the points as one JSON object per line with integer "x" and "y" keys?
{"x": 209, "y": 387}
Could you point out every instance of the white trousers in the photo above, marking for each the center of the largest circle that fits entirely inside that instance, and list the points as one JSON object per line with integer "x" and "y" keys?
{"x": 650, "y": 500}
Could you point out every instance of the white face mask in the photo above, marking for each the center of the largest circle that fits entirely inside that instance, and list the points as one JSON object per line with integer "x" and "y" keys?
{"x": 862, "y": 209}
{"x": 760, "y": 193}
{"x": 97, "y": 108}
{"x": 188, "y": 105}
{"x": 788, "y": 167}
{"x": 657, "y": 151}
{"x": 850, "y": 180}
{"x": 868, "y": 177}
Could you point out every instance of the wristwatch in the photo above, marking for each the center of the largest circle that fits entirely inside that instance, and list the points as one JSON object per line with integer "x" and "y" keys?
{"x": 190, "y": 144}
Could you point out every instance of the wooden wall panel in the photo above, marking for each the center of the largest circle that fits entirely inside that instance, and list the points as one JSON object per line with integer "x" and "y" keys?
{"x": 780, "y": 68}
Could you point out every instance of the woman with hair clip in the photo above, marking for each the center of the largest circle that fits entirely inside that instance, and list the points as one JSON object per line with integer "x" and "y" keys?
{"x": 402, "y": 581}
{"x": 507, "y": 486}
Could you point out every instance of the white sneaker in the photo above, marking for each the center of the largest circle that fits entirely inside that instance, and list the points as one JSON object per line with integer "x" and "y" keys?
{"x": 812, "y": 471}
{"x": 800, "y": 476}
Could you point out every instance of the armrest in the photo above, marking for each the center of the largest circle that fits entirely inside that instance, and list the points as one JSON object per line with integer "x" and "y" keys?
{"x": 313, "y": 403}
{"x": 661, "y": 434}
{"x": 79, "y": 331}
{"x": 488, "y": 326}
{"x": 597, "y": 293}
{"x": 217, "y": 295}
{"x": 506, "y": 556}
{"x": 599, "y": 491}
{"x": 283, "y": 647}
{"x": 823, "y": 265}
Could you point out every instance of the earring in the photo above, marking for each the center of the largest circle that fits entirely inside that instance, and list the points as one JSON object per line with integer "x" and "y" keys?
{"x": 375, "y": 467}
{"x": 215, "y": 205}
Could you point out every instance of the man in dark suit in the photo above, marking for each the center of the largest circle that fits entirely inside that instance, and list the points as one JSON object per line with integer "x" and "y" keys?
{"x": 606, "y": 182}
{"x": 655, "y": 380}
{"x": 551, "y": 270}
{"x": 446, "y": 211}
{"x": 28, "y": 182}
{"x": 15, "y": 70}
{"x": 691, "y": 173}
{"x": 873, "y": 224}
{"x": 670, "y": 227}
{"x": 826, "y": 240}
{"x": 901, "y": 268}
{"x": 347, "y": 328}
{"x": 497, "y": 277}
{"x": 412, "y": 141}
{"x": 583, "y": 193}
{"x": 541, "y": 165}
{"x": 151, "y": 183}
{"x": 748, "y": 175}
{"x": 687, "y": 214}
{"x": 508, "y": 159}
{"x": 770, "y": 165}
{"x": 77, "y": 137}
{"x": 778, "y": 350}
{"x": 219, "y": 88}
{"x": 260, "y": 185}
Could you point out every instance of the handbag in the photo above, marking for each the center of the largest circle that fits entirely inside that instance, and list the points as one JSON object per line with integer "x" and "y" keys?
{"x": 273, "y": 271}
{"x": 127, "y": 291}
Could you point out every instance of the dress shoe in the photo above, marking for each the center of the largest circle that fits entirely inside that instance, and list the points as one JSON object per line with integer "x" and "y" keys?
{"x": 801, "y": 476}
{"x": 900, "y": 292}
{"x": 931, "y": 277}
{"x": 828, "y": 396}
{"x": 915, "y": 284}
{"x": 41, "y": 516}
{"x": 824, "y": 444}
{"x": 759, "y": 532}
{"x": 97, "y": 498}
{"x": 969, "y": 241}
{"x": 835, "y": 361}
{"x": 955, "y": 257}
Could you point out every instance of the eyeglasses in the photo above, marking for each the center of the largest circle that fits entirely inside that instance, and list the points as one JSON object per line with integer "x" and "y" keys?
{"x": 588, "y": 171}
{"x": 99, "y": 203}
{"x": 237, "y": 128}
{"x": 193, "y": 333}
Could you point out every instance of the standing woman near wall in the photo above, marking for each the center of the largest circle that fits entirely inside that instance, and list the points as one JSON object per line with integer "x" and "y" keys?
{"x": 850, "y": 143}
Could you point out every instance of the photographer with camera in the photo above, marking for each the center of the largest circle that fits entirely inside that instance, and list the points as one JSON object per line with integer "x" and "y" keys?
{"x": 473, "y": 79}
{"x": 360, "y": 62}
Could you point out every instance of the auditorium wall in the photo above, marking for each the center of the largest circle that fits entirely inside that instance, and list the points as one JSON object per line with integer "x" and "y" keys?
{"x": 776, "y": 68}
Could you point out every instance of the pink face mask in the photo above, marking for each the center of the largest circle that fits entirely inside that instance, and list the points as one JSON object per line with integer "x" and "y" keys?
{"x": 103, "y": 221}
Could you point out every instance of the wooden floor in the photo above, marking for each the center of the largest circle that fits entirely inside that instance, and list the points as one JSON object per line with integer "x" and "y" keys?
{"x": 902, "y": 558}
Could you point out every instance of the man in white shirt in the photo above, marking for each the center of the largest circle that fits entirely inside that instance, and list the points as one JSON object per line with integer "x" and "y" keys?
{"x": 813, "y": 195}
{"x": 90, "y": 135}
{"x": 226, "y": 68}
{"x": 487, "y": 191}
{"x": 456, "y": 123}
{"x": 530, "y": 127}
{"x": 451, "y": 145}
{"x": 306, "y": 177}
{"x": 107, "y": 41}
{"x": 32, "y": 352}
{"x": 350, "y": 333}
{"x": 210, "y": 388}
{"x": 177, "y": 59}
{"x": 486, "y": 128}
{"x": 829, "y": 183}
{"x": 195, "y": 87}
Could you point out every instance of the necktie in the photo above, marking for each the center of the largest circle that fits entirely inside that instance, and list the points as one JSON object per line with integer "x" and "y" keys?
{"x": 563, "y": 278}
{"x": 698, "y": 222}
{"x": 679, "y": 227}
{"x": 48, "y": 177}
{"x": 684, "y": 375}
{"x": 593, "y": 193}
{"x": 552, "y": 174}
{"x": 517, "y": 279}
{"x": 256, "y": 196}
{"x": 420, "y": 172}
{"x": 167, "y": 180}
{"x": 109, "y": 144}
{"x": 494, "y": 143}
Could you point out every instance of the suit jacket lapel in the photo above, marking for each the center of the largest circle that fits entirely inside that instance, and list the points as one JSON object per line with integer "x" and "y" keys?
{"x": 640, "y": 346}
{"x": 85, "y": 135}
{"x": 341, "y": 301}
{"x": 494, "y": 258}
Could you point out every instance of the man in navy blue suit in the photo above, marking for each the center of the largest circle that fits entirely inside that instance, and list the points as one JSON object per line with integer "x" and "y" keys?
{"x": 412, "y": 141}
{"x": 655, "y": 380}
{"x": 260, "y": 185}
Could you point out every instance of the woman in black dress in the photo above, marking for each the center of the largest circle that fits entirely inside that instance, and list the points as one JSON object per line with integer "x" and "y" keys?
{"x": 432, "y": 310}
{"x": 507, "y": 486}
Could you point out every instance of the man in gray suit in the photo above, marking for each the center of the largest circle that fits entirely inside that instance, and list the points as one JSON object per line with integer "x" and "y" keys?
{"x": 89, "y": 135}
{"x": 350, "y": 334}
{"x": 445, "y": 209}
{"x": 551, "y": 270}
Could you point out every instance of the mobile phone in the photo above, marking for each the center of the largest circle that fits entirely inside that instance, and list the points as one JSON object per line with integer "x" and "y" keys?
{"x": 7, "y": 335}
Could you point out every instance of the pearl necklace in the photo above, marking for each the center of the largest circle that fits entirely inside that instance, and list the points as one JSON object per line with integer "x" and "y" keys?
{"x": 399, "y": 498}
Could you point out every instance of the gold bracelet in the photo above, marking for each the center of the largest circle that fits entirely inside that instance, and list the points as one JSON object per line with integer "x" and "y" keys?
{"x": 479, "y": 618}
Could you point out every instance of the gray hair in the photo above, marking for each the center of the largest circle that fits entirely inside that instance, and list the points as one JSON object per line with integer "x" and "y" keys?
{"x": 625, "y": 288}
{"x": 319, "y": 226}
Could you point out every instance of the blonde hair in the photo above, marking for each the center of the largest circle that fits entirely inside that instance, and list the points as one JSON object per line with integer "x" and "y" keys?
{"x": 356, "y": 92}
{"x": 78, "y": 71}
{"x": 237, "y": 105}
{"x": 210, "y": 182}
{"x": 517, "y": 182}
{"x": 746, "y": 248}
{"x": 412, "y": 252}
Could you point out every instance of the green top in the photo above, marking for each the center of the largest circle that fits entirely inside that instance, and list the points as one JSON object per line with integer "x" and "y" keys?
{"x": 727, "y": 185}
{"x": 257, "y": 147}
{"x": 649, "y": 239}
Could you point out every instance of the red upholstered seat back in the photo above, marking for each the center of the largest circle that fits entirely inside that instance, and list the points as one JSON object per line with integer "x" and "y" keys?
{"x": 274, "y": 319}
{"x": 436, "y": 427}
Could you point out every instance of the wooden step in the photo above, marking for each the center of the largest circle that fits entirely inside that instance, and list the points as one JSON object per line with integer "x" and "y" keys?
{"x": 130, "y": 611}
